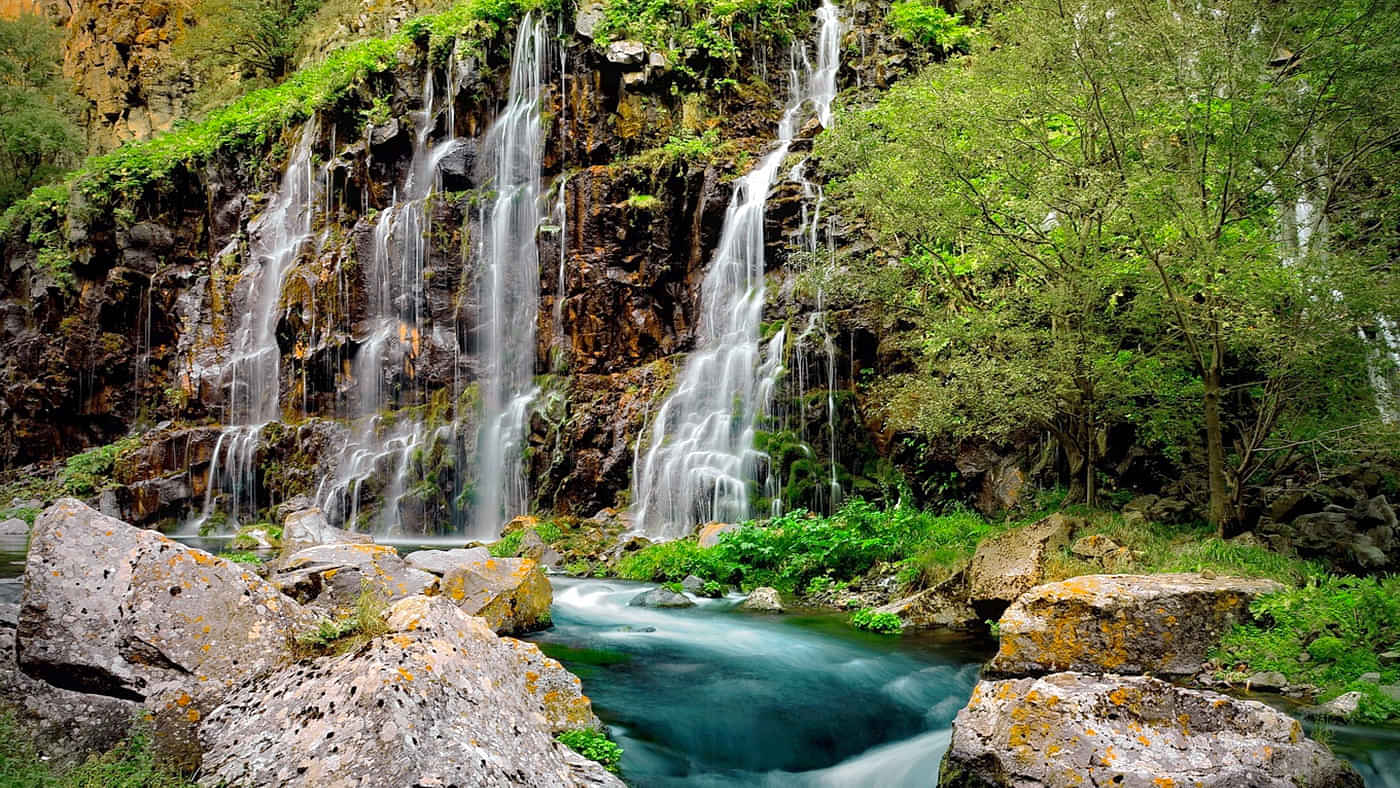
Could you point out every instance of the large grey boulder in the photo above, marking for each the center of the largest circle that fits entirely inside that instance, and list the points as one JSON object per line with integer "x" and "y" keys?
{"x": 13, "y": 527}
{"x": 309, "y": 527}
{"x": 763, "y": 600}
{"x": 332, "y": 576}
{"x": 116, "y": 610}
{"x": 512, "y": 594}
{"x": 440, "y": 700}
{"x": 440, "y": 562}
{"x": 661, "y": 597}
{"x": 1157, "y": 624}
{"x": 1069, "y": 729}
{"x": 1011, "y": 563}
{"x": 559, "y": 692}
{"x": 65, "y": 726}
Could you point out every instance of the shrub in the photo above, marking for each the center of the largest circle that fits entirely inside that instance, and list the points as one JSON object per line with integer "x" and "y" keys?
{"x": 925, "y": 22}
{"x": 91, "y": 471}
{"x": 1341, "y": 624}
{"x": 712, "y": 589}
{"x": 882, "y": 623}
{"x": 507, "y": 546}
{"x": 594, "y": 746}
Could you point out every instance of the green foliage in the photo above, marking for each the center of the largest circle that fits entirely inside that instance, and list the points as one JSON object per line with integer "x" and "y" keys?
{"x": 643, "y": 202}
{"x": 130, "y": 764}
{"x": 1075, "y": 246}
{"x": 37, "y": 135}
{"x": 91, "y": 471}
{"x": 593, "y": 745}
{"x": 673, "y": 587}
{"x": 507, "y": 546}
{"x": 549, "y": 531}
{"x": 695, "y": 34}
{"x": 250, "y": 40}
{"x": 924, "y": 22}
{"x": 799, "y": 549}
{"x": 882, "y": 623}
{"x": 1341, "y": 624}
{"x": 25, "y": 513}
{"x": 242, "y": 557}
{"x": 712, "y": 589}
{"x": 364, "y": 621}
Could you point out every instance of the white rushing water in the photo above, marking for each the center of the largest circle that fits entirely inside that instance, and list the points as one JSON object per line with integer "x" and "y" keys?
{"x": 394, "y": 334}
{"x": 251, "y": 374}
{"x": 510, "y": 286}
{"x": 701, "y": 459}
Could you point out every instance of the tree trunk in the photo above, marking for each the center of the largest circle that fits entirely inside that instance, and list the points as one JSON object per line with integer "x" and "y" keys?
{"x": 1215, "y": 450}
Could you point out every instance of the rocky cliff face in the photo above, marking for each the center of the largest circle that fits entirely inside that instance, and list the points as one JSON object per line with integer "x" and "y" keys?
{"x": 140, "y": 333}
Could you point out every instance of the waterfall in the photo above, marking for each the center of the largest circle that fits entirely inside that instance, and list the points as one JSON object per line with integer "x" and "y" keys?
{"x": 251, "y": 374}
{"x": 393, "y": 335}
{"x": 510, "y": 286}
{"x": 701, "y": 457}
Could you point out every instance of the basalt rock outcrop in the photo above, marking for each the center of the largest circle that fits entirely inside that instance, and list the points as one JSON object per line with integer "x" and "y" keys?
{"x": 1070, "y": 729}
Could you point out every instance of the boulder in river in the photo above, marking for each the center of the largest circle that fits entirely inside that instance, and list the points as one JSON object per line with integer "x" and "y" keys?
{"x": 332, "y": 576}
{"x": 13, "y": 527}
{"x": 440, "y": 562}
{"x": 1070, "y": 729}
{"x": 1011, "y": 563}
{"x": 1157, "y": 624}
{"x": 558, "y": 691}
{"x": 439, "y": 700}
{"x": 763, "y": 600}
{"x": 309, "y": 527}
{"x": 943, "y": 606}
{"x": 512, "y": 594}
{"x": 661, "y": 596}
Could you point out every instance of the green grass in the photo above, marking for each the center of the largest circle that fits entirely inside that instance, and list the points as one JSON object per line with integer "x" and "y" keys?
{"x": 507, "y": 546}
{"x": 593, "y": 745}
{"x": 242, "y": 557}
{"x": 26, "y": 513}
{"x": 1340, "y": 624}
{"x": 130, "y": 764}
{"x": 347, "y": 632}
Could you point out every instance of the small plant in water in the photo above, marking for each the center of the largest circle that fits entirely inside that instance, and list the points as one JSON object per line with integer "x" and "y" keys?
{"x": 593, "y": 745}
{"x": 883, "y": 623}
{"x": 712, "y": 589}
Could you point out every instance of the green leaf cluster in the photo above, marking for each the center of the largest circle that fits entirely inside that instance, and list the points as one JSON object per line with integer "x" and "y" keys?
{"x": 881, "y": 623}
{"x": 593, "y": 745}
{"x": 91, "y": 471}
{"x": 38, "y": 137}
{"x": 926, "y": 23}
{"x": 1328, "y": 633}
{"x": 695, "y": 34}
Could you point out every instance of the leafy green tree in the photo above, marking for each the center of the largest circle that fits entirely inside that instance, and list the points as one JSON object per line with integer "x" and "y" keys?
{"x": 1120, "y": 183}
{"x": 254, "y": 40}
{"x": 38, "y": 139}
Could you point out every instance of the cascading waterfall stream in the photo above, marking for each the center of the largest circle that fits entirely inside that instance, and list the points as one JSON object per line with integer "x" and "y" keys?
{"x": 510, "y": 286}
{"x": 393, "y": 334}
{"x": 251, "y": 374}
{"x": 701, "y": 457}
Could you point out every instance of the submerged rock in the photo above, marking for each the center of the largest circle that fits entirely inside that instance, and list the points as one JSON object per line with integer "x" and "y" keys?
{"x": 1009, "y": 564}
{"x": 440, "y": 562}
{"x": 1069, "y": 729}
{"x": 440, "y": 700}
{"x": 512, "y": 594}
{"x": 13, "y": 527}
{"x": 763, "y": 600}
{"x": 661, "y": 596}
{"x": 1157, "y": 624}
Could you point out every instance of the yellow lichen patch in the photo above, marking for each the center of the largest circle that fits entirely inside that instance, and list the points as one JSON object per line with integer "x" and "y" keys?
{"x": 404, "y": 675}
{"x": 192, "y": 715}
{"x": 1144, "y": 741}
{"x": 1164, "y": 782}
{"x": 183, "y": 700}
{"x": 1185, "y": 720}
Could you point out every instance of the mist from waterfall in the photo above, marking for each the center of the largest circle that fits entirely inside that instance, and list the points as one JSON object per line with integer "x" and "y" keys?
{"x": 510, "y": 286}
{"x": 701, "y": 459}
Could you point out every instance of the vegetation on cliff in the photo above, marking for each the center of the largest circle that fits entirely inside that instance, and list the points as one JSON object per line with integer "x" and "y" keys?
{"x": 38, "y": 138}
{"x": 1107, "y": 224}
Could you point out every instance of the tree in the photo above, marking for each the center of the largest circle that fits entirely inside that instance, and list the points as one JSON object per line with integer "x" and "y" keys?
{"x": 253, "y": 39}
{"x": 1147, "y": 161}
{"x": 37, "y": 136}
